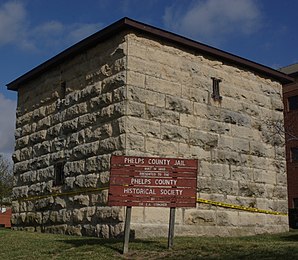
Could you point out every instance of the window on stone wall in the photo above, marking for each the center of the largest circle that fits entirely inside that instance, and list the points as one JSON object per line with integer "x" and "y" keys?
{"x": 293, "y": 103}
{"x": 63, "y": 89}
{"x": 59, "y": 173}
{"x": 295, "y": 201}
{"x": 294, "y": 154}
{"x": 215, "y": 89}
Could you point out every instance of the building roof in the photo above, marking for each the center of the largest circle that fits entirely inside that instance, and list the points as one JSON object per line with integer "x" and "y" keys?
{"x": 129, "y": 24}
{"x": 291, "y": 70}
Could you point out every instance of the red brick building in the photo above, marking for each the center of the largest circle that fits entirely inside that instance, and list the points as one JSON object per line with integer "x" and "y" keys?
{"x": 290, "y": 97}
{"x": 5, "y": 216}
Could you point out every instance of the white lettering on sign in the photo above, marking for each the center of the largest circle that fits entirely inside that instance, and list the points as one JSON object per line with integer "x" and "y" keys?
{"x": 170, "y": 182}
{"x": 146, "y": 191}
{"x": 171, "y": 192}
{"x": 134, "y": 160}
{"x": 158, "y": 204}
{"x": 140, "y": 181}
{"x": 159, "y": 161}
{"x": 179, "y": 163}
{"x": 147, "y": 173}
{"x": 152, "y": 182}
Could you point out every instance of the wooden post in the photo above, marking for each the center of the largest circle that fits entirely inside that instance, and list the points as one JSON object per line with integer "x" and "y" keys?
{"x": 171, "y": 228}
{"x": 127, "y": 229}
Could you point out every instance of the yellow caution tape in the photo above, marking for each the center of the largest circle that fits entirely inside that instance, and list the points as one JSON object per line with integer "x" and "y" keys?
{"x": 226, "y": 205}
{"x": 199, "y": 200}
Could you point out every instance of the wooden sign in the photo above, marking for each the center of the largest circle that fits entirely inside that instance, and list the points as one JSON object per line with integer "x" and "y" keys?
{"x": 152, "y": 182}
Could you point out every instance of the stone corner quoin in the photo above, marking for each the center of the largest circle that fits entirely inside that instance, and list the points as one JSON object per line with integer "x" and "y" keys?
{"x": 137, "y": 95}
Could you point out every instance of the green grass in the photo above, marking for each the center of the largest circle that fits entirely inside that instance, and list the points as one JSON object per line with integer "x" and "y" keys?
{"x": 26, "y": 245}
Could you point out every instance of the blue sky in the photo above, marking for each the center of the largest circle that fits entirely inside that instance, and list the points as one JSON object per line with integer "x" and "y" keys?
{"x": 32, "y": 31}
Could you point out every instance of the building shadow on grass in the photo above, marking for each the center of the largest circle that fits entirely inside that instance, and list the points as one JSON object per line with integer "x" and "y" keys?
{"x": 291, "y": 236}
{"x": 113, "y": 243}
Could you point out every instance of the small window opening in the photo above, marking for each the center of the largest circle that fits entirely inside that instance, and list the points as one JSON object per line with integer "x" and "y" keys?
{"x": 294, "y": 154}
{"x": 63, "y": 89}
{"x": 293, "y": 103}
{"x": 59, "y": 174}
{"x": 215, "y": 89}
{"x": 295, "y": 202}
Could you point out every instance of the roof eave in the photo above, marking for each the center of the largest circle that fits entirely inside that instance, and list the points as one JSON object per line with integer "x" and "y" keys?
{"x": 127, "y": 23}
{"x": 169, "y": 36}
{"x": 74, "y": 49}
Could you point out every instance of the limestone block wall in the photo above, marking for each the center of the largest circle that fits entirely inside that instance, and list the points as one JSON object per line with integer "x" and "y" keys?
{"x": 171, "y": 112}
{"x": 134, "y": 95}
{"x": 72, "y": 115}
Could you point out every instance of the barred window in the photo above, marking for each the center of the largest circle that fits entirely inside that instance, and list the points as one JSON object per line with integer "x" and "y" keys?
{"x": 59, "y": 173}
{"x": 63, "y": 89}
{"x": 295, "y": 201}
{"x": 293, "y": 103}
{"x": 294, "y": 154}
{"x": 215, "y": 89}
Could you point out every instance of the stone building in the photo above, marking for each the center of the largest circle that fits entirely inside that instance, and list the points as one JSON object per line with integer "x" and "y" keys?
{"x": 290, "y": 96}
{"x": 133, "y": 89}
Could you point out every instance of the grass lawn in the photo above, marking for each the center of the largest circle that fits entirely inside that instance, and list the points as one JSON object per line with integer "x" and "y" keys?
{"x": 25, "y": 245}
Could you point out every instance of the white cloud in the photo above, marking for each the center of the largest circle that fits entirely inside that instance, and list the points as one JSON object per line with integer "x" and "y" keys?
{"x": 16, "y": 29}
{"x": 51, "y": 27}
{"x": 55, "y": 35}
{"x": 12, "y": 22}
{"x": 79, "y": 31}
{"x": 55, "y": 31}
{"x": 7, "y": 125}
{"x": 212, "y": 20}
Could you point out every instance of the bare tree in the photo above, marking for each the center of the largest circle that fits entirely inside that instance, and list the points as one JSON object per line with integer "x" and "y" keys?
{"x": 6, "y": 180}
{"x": 278, "y": 131}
